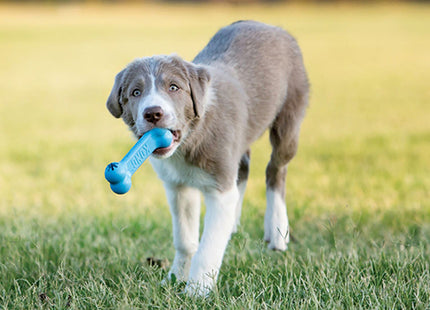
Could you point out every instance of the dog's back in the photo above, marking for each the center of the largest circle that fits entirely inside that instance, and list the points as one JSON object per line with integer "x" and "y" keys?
{"x": 268, "y": 63}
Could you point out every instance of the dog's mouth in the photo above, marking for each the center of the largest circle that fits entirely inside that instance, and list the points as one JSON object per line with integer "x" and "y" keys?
{"x": 162, "y": 151}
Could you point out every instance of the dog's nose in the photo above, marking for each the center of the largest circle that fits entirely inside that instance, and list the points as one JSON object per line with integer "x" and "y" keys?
{"x": 153, "y": 114}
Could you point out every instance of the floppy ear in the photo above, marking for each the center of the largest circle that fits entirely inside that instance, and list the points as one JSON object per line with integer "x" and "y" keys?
{"x": 113, "y": 103}
{"x": 199, "y": 78}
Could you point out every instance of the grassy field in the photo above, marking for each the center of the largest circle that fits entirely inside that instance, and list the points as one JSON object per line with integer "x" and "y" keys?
{"x": 358, "y": 192}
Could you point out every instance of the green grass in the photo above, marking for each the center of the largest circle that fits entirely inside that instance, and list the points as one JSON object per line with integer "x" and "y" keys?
{"x": 357, "y": 191}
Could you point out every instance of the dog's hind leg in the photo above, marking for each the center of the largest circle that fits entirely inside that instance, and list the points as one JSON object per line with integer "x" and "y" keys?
{"x": 276, "y": 227}
{"x": 284, "y": 135}
{"x": 242, "y": 180}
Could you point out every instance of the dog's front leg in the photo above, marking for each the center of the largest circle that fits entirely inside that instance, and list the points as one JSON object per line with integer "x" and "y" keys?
{"x": 219, "y": 223}
{"x": 185, "y": 208}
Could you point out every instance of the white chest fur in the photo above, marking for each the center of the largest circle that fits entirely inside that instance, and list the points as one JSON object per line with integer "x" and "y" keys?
{"x": 175, "y": 170}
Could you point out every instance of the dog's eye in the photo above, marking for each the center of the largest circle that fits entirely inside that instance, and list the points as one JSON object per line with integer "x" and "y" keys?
{"x": 173, "y": 87}
{"x": 136, "y": 93}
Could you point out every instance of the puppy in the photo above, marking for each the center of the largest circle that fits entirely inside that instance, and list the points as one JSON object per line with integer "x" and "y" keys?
{"x": 249, "y": 78}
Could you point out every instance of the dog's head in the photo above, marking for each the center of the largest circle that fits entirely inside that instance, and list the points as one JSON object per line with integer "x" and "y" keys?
{"x": 160, "y": 91}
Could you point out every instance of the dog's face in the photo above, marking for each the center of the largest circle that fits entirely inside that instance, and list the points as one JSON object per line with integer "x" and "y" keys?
{"x": 160, "y": 91}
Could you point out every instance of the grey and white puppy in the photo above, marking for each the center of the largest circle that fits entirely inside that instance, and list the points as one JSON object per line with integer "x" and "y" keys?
{"x": 249, "y": 78}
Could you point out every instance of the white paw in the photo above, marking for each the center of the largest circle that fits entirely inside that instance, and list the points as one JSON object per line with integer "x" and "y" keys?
{"x": 180, "y": 268}
{"x": 171, "y": 279}
{"x": 276, "y": 231}
{"x": 200, "y": 288}
{"x": 278, "y": 240}
{"x": 201, "y": 283}
{"x": 278, "y": 246}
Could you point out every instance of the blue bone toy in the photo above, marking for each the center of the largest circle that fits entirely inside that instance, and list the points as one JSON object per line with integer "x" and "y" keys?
{"x": 119, "y": 174}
